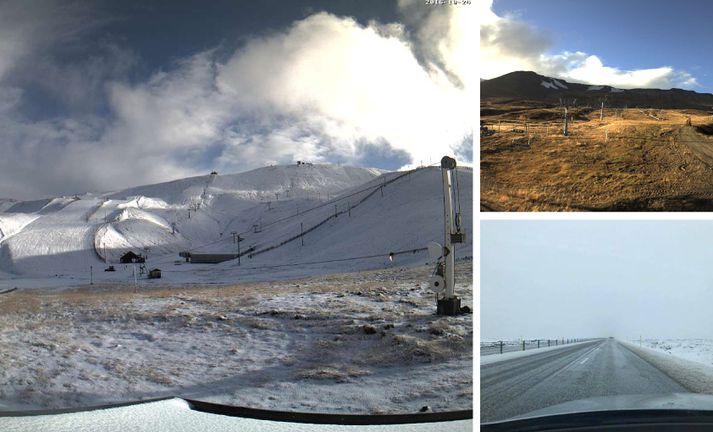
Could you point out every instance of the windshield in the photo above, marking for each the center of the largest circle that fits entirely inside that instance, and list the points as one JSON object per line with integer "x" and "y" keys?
{"x": 233, "y": 202}
{"x": 593, "y": 315}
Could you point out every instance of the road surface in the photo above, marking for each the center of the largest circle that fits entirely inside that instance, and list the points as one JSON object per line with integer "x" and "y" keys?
{"x": 599, "y": 368}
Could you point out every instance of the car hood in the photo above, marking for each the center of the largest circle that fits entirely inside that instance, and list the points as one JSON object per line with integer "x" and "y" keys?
{"x": 667, "y": 401}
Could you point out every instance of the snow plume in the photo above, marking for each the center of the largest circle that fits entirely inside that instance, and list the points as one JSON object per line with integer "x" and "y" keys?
{"x": 325, "y": 89}
{"x": 508, "y": 44}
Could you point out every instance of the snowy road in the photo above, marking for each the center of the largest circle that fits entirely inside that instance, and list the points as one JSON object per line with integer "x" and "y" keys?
{"x": 599, "y": 368}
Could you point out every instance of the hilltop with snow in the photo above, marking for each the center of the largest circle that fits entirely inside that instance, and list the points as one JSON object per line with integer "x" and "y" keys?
{"x": 353, "y": 330}
{"x": 350, "y": 219}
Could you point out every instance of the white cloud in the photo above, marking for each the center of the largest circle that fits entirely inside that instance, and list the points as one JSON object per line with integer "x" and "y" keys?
{"x": 508, "y": 44}
{"x": 348, "y": 83}
{"x": 325, "y": 89}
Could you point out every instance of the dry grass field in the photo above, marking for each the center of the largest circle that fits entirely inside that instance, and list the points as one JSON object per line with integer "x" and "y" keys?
{"x": 631, "y": 160}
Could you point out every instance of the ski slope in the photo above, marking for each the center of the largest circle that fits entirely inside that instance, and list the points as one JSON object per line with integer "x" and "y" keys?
{"x": 293, "y": 220}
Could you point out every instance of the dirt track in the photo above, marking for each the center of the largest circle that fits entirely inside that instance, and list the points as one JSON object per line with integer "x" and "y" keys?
{"x": 699, "y": 144}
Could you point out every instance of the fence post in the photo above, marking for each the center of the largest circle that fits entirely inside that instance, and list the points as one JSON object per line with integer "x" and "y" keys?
{"x": 501, "y": 347}
{"x": 538, "y": 343}
{"x": 523, "y": 344}
{"x": 548, "y": 342}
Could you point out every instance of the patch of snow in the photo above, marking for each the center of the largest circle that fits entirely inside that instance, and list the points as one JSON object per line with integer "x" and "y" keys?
{"x": 559, "y": 84}
{"x": 142, "y": 202}
{"x": 693, "y": 375}
{"x": 698, "y": 350}
{"x": 175, "y": 414}
{"x": 12, "y": 223}
{"x": 547, "y": 84}
{"x": 138, "y": 214}
{"x": 592, "y": 88}
{"x": 615, "y": 90}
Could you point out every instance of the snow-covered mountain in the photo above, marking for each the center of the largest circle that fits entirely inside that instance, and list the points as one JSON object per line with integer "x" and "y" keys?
{"x": 344, "y": 213}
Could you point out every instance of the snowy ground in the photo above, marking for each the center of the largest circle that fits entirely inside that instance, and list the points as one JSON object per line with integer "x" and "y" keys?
{"x": 697, "y": 350}
{"x": 364, "y": 342}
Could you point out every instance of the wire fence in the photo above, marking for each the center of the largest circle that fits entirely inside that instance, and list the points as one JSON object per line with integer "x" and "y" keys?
{"x": 504, "y": 346}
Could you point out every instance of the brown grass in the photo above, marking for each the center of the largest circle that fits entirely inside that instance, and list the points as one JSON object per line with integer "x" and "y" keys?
{"x": 642, "y": 165}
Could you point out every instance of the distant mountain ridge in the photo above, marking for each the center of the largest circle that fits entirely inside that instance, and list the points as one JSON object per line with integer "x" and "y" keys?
{"x": 525, "y": 85}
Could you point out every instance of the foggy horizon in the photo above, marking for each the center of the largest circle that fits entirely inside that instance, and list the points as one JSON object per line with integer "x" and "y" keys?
{"x": 578, "y": 279}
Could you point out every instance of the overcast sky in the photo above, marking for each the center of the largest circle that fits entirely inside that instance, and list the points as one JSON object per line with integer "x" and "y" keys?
{"x": 547, "y": 279}
{"x": 627, "y": 44}
{"x": 102, "y": 95}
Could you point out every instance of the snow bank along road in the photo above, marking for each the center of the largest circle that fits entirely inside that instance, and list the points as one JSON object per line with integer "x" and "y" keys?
{"x": 599, "y": 368}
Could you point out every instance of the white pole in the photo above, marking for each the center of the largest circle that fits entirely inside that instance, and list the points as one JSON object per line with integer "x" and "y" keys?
{"x": 447, "y": 164}
{"x": 601, "y": 112}
{"x": 565, "y": 121}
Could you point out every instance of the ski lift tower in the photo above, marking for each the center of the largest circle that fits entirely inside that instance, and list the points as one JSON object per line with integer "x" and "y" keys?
{"x": 443, "y": 281}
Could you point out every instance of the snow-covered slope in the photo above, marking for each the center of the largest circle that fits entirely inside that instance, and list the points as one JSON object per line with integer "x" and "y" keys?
{"x": 259, "y": 184}
{"x": 344, "y": 213}
{"x": 6, "y": 203}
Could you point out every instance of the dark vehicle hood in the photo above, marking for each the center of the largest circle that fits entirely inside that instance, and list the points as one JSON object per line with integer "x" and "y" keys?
{"x": 666, "y": 401}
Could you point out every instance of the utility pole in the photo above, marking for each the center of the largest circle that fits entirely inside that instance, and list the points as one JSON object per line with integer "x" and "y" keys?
{"x": 302, "y": 235}
{"x": 237, "y": 239}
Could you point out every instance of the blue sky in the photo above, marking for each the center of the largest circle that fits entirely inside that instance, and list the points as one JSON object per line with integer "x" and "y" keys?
{"x": 101, "y": 95}
{"x": 546, "y": 279}
{"x": 628, "y": 36}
